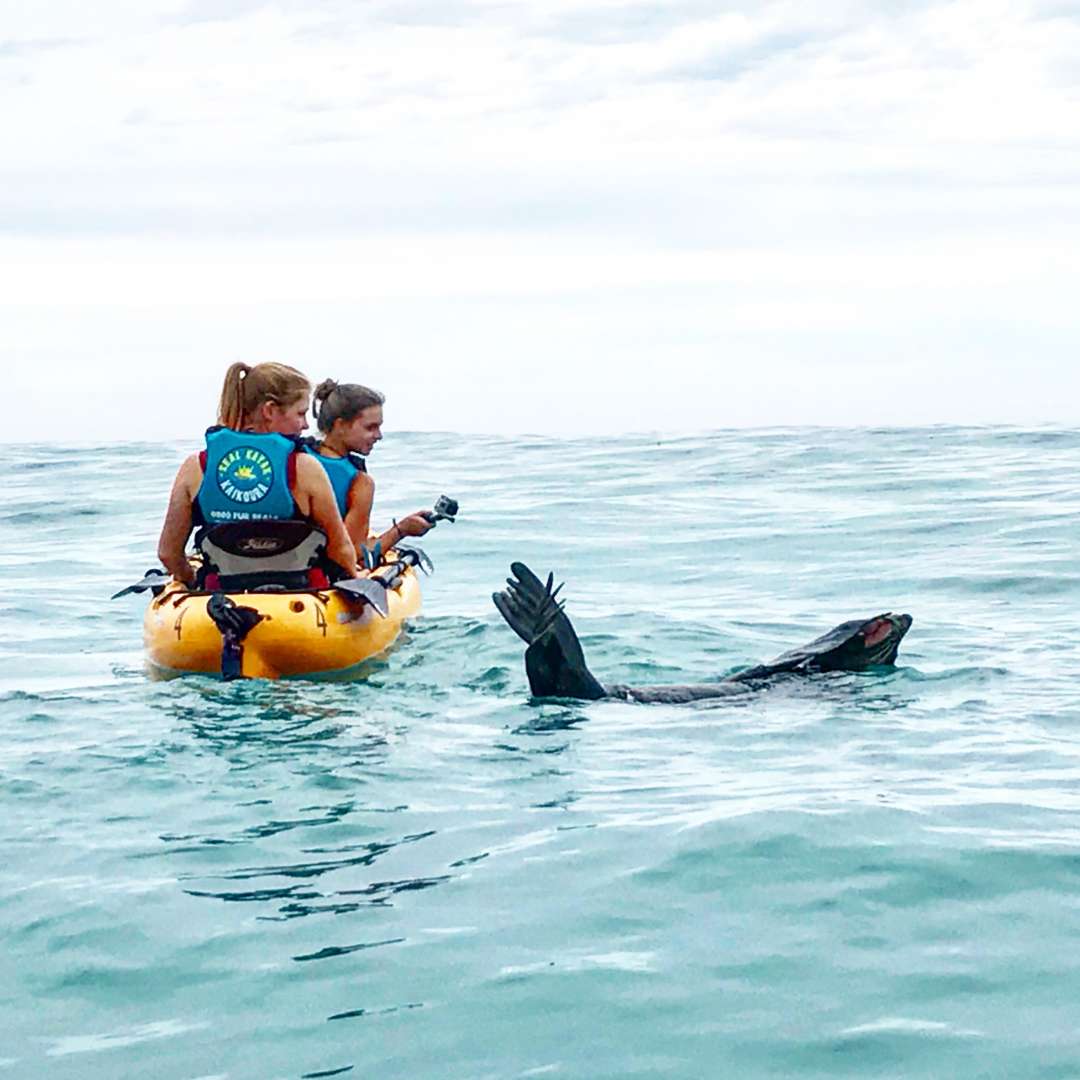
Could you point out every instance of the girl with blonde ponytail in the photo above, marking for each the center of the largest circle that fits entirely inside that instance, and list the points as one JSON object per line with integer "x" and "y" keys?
{"x": 250, "y": 396}
{"x": 252, "y": 470}
{"x": 350, "y": 418}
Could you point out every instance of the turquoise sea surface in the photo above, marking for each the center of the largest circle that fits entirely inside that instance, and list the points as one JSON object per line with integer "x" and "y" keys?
{"x": 427, "y": 875}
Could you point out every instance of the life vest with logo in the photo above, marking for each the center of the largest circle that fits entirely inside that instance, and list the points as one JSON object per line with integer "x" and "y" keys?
{"x": 251, "y": 533}
{"x": 342, "y": 471}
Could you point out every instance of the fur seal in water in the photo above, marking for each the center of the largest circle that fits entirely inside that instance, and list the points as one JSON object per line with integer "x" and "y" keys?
{"x": 555, "y": 662}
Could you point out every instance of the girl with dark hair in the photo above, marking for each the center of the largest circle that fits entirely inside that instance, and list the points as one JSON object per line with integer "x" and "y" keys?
{"x": 251, "y": 472}
{"x": 350, "y": 418}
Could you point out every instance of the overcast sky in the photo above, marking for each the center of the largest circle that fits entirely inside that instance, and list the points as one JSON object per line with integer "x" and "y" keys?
{"x": 559, "y": 216}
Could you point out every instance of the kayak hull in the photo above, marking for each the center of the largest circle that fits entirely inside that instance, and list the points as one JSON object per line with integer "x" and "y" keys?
{"x": 313, "y": 632}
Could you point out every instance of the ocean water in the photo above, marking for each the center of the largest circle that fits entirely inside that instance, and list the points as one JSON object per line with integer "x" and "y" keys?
{"x": 425, "y": 874}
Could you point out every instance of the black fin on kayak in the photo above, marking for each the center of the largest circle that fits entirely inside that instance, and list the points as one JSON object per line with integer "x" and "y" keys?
{"x": 554, "y": 660}
{"x": 371, "y": 592}
{"x": 416, "y": 557}
{"x": 153, "y": 579}
{"x": 234, "y": 622}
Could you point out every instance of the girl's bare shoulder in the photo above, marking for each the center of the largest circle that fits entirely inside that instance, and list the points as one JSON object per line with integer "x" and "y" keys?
{"x": 189, "y": 475}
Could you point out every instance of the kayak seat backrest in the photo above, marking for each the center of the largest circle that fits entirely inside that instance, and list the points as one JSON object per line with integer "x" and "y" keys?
{"x": 260, "y": 539}
{"x": 262, "y": 548}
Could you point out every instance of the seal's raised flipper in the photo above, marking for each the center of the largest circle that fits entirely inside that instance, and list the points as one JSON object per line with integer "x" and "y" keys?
{"x": 554, "y": 660}
{"x": 526, "y": 604}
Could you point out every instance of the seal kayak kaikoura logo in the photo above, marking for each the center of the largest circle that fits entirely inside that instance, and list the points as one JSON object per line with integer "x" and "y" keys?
{"x": 245, "y": 475}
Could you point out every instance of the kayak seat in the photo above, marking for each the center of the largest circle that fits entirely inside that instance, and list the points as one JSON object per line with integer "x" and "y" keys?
{"x": 239, "y": 556}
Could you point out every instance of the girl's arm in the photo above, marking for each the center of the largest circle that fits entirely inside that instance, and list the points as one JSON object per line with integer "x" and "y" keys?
{"x": 358, "y": 509}
{"x": 413, "y": 525}
{"x": 177, "y": 526}
{"x": 358, "y": 518}
{"x": 313, "y": 488}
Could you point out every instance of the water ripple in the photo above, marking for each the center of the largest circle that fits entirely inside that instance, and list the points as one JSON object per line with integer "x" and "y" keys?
{"x": 863, "y": 875}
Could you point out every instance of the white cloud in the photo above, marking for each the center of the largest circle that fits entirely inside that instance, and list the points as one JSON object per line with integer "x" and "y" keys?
{"x": 747, "y": 200}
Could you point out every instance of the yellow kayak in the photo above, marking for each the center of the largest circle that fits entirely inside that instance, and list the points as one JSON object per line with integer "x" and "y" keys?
{"x": 308, "y": 632}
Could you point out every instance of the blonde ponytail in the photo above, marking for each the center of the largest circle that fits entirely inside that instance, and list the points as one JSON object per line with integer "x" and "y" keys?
{"x": 231, "y": 405}
{"x": 246, "y": 388}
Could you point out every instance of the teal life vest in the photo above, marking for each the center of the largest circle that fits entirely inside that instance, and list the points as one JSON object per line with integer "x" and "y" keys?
{"x": 246, "y": 477}
{"x": 251, "y": 533}
{"x": 342, "y": 471}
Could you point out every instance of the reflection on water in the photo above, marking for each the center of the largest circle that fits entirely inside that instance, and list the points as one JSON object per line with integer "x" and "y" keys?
{"x": 260, "y": 717}
{"x": 553, "y": 718}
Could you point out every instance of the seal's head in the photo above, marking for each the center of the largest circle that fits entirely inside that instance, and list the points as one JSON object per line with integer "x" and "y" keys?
{"x": 862, "y": 643}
